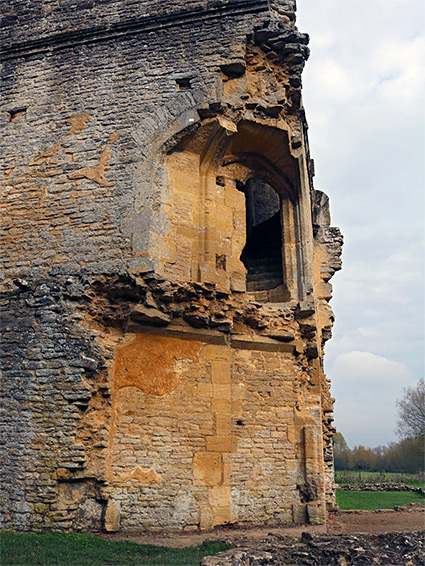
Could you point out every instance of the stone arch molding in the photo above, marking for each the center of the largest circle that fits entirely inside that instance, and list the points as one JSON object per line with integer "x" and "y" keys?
{"x": 208, "y": 166}
{"x": 161, "y": 128}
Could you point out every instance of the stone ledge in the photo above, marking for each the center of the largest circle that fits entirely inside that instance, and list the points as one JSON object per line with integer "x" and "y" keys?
{"x": 183, "y": 332}
{"x": 127, "y": 28}
{"x": 246, "y": 342}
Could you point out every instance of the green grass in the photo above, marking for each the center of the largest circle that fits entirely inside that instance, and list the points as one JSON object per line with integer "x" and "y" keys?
{"x": 352, "y": 476}
{"x": 372, "y": 500}
{"x": 78, "y": 549}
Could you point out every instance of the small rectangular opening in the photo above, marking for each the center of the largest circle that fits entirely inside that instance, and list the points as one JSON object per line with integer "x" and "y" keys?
{"x": 183, "y": 83}
{"x": 220, "y": 262}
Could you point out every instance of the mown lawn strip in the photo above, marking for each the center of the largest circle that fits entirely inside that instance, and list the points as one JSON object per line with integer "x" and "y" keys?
{"x": 81, "y": 549}
{"x": 372, "y": 500}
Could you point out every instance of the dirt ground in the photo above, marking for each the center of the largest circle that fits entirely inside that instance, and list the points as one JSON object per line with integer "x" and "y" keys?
{"x": 371, "y": 522}
{"x": 343, "y": 522}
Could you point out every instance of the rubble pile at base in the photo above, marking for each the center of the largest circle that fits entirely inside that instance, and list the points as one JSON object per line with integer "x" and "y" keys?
{"x": 388, "y": 549}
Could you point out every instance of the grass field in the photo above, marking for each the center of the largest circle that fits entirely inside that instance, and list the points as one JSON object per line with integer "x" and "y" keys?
{"x": 79, "y": 549}
{"x": 372, "y": 500}
{"x": 351, "y": 476}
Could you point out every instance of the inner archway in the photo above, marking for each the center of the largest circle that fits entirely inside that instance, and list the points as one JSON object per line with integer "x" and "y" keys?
{"x": 262, "y": 254}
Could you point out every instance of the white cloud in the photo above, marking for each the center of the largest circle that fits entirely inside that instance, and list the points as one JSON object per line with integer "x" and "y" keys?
{"x": 400, "y": 66}
{"x": 334, "y": 81}
{"x": 364, "y": 89}
{"x": 360, "y": 368}
{"x": 366, "y": 387}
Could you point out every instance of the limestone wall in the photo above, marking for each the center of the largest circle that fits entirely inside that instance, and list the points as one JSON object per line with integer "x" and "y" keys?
{"x": 143, "y": 386}
{"x": 204, "y": 439}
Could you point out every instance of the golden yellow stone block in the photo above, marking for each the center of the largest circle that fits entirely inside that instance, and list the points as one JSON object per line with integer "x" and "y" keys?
{"x": 221, "y": 406}
{"x": 221, "y": 372}
{"x": 207, "y": 469}
{"x": 221, "y": 443}
{"x": 223, "y": 424}
{"x": 222, "y": 515}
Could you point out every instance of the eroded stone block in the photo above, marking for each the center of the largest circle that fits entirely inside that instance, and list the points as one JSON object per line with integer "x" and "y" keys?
{"x": 112, "y": 516}
{"x": 207, "y": 469}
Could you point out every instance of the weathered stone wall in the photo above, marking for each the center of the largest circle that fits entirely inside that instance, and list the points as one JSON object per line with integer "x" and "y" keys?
{"x": 142, "y": 385}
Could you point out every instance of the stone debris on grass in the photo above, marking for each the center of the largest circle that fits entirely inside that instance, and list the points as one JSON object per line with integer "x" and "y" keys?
{"x": 384, "y": 486}
{"x": 387, "y": 549}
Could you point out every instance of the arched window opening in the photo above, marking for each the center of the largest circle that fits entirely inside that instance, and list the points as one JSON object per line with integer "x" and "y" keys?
{"x": 262, "y": 254}
{"x": 237, "y": 211}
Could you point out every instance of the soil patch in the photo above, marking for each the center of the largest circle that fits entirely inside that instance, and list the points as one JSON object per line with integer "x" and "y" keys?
{"x": 381, "y": 521}
{"x": 408, "y": 519}
{"x": 381, "y": 538}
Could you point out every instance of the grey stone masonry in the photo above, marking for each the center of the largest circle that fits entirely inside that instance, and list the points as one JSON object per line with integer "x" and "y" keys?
{"x": 154, "y": 374}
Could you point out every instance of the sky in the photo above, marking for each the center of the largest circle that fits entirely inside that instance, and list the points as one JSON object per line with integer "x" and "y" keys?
{"x": 364, "y": 95}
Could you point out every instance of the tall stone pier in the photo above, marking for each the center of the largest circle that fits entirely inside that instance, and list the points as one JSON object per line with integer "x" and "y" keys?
{"x": 166, "y": 266}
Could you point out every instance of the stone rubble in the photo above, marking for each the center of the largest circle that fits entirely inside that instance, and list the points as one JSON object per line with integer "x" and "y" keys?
{"x": 388, "y": 549}
{"x": 384, "y": 486}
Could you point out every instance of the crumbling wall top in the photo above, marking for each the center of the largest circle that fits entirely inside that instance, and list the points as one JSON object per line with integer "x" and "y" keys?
{"x": 40, "y": 24}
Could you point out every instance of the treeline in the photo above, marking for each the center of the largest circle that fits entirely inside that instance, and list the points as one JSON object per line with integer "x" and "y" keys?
{"x": 404, "y": 456}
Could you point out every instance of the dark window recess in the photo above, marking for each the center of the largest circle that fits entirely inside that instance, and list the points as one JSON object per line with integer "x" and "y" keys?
{"x": 234, "y": 69}
{"x": 220, "y": 262}
{"x": 17, "y": 114}
{"x": 183, "y": 83}
{"x": 262, "y": 254}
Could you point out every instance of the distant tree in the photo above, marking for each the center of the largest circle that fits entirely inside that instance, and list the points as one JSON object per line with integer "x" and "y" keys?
{"x": 363, "y": 458}
{"x": 411, "y": 411}
{"x": 339, "y": 442}
{"x": 405, "y": 456}
{"x": 342, "y": 454}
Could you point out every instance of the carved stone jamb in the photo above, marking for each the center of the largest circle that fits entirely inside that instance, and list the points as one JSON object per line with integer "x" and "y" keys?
{"x": 209, "y": 162}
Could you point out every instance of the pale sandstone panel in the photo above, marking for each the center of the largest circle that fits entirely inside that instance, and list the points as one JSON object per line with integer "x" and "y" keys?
{"x": 266, "y": 468}
{"x": 207, "y": 469}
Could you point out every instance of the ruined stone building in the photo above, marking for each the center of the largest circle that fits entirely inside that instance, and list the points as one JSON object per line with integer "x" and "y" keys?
{"x": 166, "y": 266}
